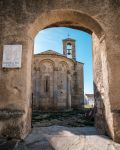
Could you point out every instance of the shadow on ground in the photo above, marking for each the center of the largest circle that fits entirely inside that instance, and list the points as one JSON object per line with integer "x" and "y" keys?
{"x": 62, "y": 138}
{"x": 68, "y": 130}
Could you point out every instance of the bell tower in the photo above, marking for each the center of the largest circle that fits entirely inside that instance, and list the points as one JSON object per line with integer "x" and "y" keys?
{"x": 69, "y": 48}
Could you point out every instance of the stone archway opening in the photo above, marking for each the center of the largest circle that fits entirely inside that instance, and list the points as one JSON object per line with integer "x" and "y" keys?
{"x": 77, "y": 20}
{"x": 58, "y": 80}
{"x": 18, "y": 97}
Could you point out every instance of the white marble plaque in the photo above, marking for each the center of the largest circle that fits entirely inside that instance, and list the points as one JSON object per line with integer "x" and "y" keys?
{"x": 12, "y": 56}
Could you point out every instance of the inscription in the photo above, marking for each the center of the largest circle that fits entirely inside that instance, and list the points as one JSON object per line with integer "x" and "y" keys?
{"x": 12, "y": 56}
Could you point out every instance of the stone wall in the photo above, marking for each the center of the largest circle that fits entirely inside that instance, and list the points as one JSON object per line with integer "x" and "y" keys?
{"x": 21, "y": 20}
{"x": 78, "y": 89}
{"x": 53, "y": 84}
{"x": 98, "y": 86}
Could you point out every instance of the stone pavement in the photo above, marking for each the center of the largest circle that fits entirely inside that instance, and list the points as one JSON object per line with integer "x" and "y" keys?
{"x": 61, "y": 138}
{"x": 64, "y": 138}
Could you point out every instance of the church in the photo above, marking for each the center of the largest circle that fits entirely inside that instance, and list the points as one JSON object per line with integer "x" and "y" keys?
{"x": 58, "y": 81}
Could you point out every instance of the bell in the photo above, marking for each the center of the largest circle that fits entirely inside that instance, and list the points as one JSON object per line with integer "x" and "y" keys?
{"x": 69, "y": 51}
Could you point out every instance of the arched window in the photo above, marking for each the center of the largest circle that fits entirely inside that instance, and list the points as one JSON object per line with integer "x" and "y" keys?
{"x": 69, "y": 50}
{"x": 46, "y": 84}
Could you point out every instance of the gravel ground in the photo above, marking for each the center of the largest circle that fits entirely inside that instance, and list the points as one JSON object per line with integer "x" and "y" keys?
{"x": 69, "y": 118}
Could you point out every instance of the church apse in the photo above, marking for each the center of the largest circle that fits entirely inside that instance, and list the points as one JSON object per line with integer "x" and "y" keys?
{"x": 43, "y": 85}
{"x": 57, "y": 80}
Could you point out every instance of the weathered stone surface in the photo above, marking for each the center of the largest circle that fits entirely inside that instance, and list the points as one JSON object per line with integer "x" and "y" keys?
{"x": 9, "y": 113}
{"x": 12, "y": 55}
{"x": 56, "y": 90}
{"x": 59, "y": 137}
{"x": 20, "y": 21}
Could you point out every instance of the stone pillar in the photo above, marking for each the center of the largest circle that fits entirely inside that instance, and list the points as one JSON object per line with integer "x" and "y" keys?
{"x": 100, "y": 122}
{"x": 105, "y": 117}
{"x": 78, "y": 86}
{"x": 113, "y": 46}
{"x": 64, "y": 49}
{"x": 15, "y": 86}
{"x": 55, "y": 86}
{"x": 73, "y": 51}
{"x": 69, "y": 92}
{"x": 37, "y": 90}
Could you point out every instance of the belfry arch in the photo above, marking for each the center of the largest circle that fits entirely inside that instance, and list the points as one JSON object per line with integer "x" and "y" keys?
{"x": 18, "y": 97}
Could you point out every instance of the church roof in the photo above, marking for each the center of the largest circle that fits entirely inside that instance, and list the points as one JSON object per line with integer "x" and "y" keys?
{"x": 51, "y": 52}
{"x": 68, "y": 39}
{"x": 90, "y": 95}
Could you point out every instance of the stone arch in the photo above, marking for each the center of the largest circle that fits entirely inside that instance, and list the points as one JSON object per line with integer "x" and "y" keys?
{"x": 64, "y": 65}
{"x": 30, "y": 21}
{"x": 48, "y": 61}
{"x": 79, "y": 20}
{"x": 67, "y": 18}
{"x": 39, "y": 63}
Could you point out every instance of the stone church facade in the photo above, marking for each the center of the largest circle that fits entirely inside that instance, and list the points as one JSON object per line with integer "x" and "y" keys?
{"x": 58, "y": 79}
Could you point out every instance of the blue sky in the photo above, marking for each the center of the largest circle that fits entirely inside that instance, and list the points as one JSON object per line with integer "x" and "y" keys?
{"x": 51, "y": 39}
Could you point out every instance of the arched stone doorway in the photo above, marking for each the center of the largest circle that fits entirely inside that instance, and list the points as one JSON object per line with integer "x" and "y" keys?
{"x": 18, "y": 91}
{"x": 77, "y": 20}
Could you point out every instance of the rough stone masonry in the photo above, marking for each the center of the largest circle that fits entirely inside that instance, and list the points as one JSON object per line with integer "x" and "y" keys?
{"x": 20, "y": 21}
{"x": 57, "y": 79}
